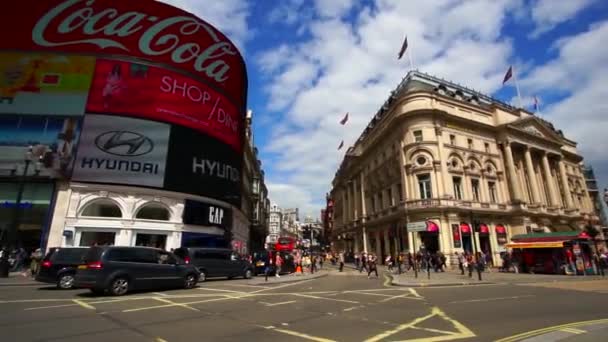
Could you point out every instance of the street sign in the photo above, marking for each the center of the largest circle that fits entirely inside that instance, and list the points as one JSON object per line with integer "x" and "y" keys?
{"x": 416, "y": 226}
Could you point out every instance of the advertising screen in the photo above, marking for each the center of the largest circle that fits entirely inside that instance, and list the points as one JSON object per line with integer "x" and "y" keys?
{"x": 205, "y": 214}
{"x": 52, "y": 139}
{"x": 148, "y": 30}
{"x": 202, "y": 165}
{"x": 34, "y": 83}
{"x": 122, "y": 150}
{"x": 132, "y": 89}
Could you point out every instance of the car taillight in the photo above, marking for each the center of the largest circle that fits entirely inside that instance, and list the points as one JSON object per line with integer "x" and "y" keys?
{"x": 187, "y": 260}
{"x": 97, "y": 265}
{"x": 46, "y": 264}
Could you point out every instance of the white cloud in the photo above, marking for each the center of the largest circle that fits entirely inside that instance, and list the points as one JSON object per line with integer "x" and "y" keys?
{"x": 333, "y": 8}
{"x": 229, "y": 16}
{"x": 547, "y": 14}
{"x": 579, "y": 72}
{"x": 352, "y": 67}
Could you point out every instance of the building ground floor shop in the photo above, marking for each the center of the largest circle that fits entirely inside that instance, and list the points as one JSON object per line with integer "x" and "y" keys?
{"x": 89, "y": 215}
{"x": 448, "y": 233}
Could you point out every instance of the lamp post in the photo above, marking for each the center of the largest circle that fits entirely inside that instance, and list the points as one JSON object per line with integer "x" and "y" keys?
{"x": 11, "y": 234}
{"x": 475, "y": 228}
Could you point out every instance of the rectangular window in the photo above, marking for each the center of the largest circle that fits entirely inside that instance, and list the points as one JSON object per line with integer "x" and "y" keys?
{"x": 493, "y": 193}
{"x": 424, "y": 184}
{"x": 380, "y": 201}
{"x": 390, "y": 197}
{"x": 487, "y": 147}
{"x": 470, "y": 143}
{"x": 400, "y": 189}
{"x": 475, "y": 188}
{"x": 418, "y": 136}
{"x": 373, "y": 199}
{"x": 457, "y": 187}
{"x": 452, "y": 139}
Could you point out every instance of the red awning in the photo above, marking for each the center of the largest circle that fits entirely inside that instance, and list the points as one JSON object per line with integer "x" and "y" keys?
{"x": 500, "y": 229}
{"x": 465, "y": 228}
{"x": 432, "y": 227}
{"x": 484, "y": 229}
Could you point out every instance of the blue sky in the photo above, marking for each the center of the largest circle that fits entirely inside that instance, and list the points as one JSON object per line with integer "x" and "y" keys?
{"x": 309, "y": 61}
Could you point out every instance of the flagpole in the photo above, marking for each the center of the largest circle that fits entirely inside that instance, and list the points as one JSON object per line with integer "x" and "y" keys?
{"x": 538, "y": 108}
{"x": 409, "y": 54}
{"x": 517, "y": 87}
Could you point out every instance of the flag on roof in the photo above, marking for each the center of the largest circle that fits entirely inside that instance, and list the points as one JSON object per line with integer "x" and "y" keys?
{"x": 344, "y": 120}
{"x": 508, "y": 75}
{"x": 403, "y": 48}
{"x": 341, "y": 145}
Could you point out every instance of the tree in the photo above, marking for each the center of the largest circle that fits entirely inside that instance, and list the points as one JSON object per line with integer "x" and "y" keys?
{"x": 593, "y": 233}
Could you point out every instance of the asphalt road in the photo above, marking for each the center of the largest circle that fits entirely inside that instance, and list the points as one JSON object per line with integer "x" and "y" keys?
{"x": 334, "y": 308}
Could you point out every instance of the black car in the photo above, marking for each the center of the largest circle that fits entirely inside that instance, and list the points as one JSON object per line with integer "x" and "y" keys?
{"x": 118, "y": 270}
{"x": 59, "y": 266}
{"x": 215, "y": 262}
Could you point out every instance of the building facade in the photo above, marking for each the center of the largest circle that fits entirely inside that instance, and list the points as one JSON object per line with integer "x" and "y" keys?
{"x": 463, "y": 170}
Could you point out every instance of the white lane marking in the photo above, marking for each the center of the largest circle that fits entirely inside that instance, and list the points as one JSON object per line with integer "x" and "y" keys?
{"x": 403, "y": 296}
{"x": 573, "y": 331}
{"x": 353, "y": 308}
{"x": 324, "y": 298}
{"x": 301, "y": 335}
{"x": 161, "y": 294}
{"x": 280, "y": 303}
{"x": 284, "y": 285}
{"x": 254, "y": 286}
{"x": 490, "y": 299}
{"x": 220, "y": 290}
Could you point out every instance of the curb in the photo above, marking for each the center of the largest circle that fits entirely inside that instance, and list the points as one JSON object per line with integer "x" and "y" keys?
{"x": 288, "y": 279}
{"x": 396, "y": 283}
{"x": 22, "y": 284}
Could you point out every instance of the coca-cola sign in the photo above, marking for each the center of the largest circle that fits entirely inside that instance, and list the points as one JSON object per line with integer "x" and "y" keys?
{"x": 147, "y": 30}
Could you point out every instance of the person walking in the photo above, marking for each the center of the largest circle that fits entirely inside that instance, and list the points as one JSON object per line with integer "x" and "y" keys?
{"x": 389, "y": 262}
{"x": 313, "y": 263}
{"x": 400, "y": 262}
{"x": 268, "y": 266}
{"x": 410, "y": 262}
{"x": 460, "y": 258}
{"x": 321, "y": 258}
{"x": 372, "y": 265}
{"x": 357, "y": 256}
{"x": 278, "y": 264}
{"x": 341, "y": 258}
{"x": 363, "y": 265}
{"x": 36, "y": 260}
{"x": 469, "y": 264}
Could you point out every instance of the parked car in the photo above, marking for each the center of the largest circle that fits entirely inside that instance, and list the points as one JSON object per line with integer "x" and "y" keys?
{"x": 216, "y": 262}
{"x": 59, "y": 266}
{"x": 118, "y": 270}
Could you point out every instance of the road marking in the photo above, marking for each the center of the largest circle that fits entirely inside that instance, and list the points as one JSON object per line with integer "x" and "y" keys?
{"x": 369, "y": 294}
{"x": 301, "y": 335}
{"x": 158, "y": 339}
{"x": 220, "y": 290}
{"x": 161, "y": 294}
{"x": 404, "y": 296}
{"x": 324, "y": 298}
{"x": 254, "y": 286}
{"x": 461, "y": 330}
{"x": 177, "y": 304}
{"x": 573, "y": 331}
{"x": 284, "y": 285}
{"x": 490, "y": 299}
{"x": 412, "y": 291}
{"x": 353, "y": 308}
{"x": 537, "y": 332}
{"x": 281, "y": 303}
{"x": 50, "y": 307}
{"x": 387, "y": 281}
{"x": 83, "y": 304}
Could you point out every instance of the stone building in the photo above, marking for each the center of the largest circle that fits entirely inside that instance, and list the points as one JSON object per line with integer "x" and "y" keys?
{"x": 440, "y": 156}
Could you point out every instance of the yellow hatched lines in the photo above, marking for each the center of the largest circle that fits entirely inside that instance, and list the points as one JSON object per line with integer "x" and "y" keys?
{"x": 570, "y": 327}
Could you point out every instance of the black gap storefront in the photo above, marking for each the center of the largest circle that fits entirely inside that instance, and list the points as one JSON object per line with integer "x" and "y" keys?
{"x": 208, "y": 215}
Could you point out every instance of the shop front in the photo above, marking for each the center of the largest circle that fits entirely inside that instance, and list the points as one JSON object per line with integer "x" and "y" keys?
{"x": 32, "y": 220}
{"x": 430, "y": 237}
{"x": 553, "y": 253}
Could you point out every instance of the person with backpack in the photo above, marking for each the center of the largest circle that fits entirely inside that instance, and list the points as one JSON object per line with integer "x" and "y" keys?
{"x": 372, "y": 265}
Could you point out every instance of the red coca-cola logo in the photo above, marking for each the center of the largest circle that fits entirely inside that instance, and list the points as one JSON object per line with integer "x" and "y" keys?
{"x": 152, "y": 31}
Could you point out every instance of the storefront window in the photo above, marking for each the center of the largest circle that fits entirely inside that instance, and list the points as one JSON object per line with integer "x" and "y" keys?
{"x": 102, "y": 208}
{"x": 151, "y": 240}
{"x": 153, "y": 211}
{"x": 97, "y": 238}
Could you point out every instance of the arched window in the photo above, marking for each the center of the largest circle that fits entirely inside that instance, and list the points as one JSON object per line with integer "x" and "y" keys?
{"x": 153, "y": 211}
{"x": 102, "y": 208}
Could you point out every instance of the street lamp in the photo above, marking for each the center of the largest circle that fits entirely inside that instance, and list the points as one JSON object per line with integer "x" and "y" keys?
{"x": 11, "y": 234}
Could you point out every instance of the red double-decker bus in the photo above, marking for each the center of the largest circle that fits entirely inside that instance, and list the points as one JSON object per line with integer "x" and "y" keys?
{"x": 285, "y": 244}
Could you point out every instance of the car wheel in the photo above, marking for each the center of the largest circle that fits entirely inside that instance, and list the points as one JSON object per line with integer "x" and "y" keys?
{"x": 119, "y": 286}
{"x": 202, "y": 277}
{"x": 190, "y": 281}
{"x": 66, "y": 281}
{"x": 248, "y": 274}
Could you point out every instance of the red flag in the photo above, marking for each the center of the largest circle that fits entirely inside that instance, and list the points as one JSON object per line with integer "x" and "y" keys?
{"x": 344, "y": 120}
{"x": 508, "y": 75}
{"x": 341, "y": 145}
{"x": 403, "y": 48}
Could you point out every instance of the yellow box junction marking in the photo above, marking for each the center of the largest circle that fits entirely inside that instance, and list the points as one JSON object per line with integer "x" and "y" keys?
{"x": 542, "y": 331}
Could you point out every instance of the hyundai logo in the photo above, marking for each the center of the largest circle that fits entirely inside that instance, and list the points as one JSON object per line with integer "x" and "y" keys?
{"x": 124, "y": 143}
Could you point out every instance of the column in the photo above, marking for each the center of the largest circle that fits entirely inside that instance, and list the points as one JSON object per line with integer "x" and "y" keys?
{"x": 443, "y": 191}
{"x": 355, "y": 200}
{"x": 532, "y": 176}
{"x": 356, "y": 247}
{"x": 550, "y": 183}
{"x": 405, "y": 188}
{"x": 365, "y": 240}
{"x": 512, "y": 175}
{"x": 387, "y": 243}
{"x": 410, "y": 242}
{"x": 377, "y": 249}
{"x": 564, "y": 176}
{"x": 344, "y": 207}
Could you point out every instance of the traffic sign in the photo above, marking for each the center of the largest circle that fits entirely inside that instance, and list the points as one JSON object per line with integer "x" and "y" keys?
{"x": 419, "y": 226}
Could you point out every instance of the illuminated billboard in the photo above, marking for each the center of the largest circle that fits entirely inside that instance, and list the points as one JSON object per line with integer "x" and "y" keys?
{"x": 132, "y": 89}
{"x": 46, "y": 84}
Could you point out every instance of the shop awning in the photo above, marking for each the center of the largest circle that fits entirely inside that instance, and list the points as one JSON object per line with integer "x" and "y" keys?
{"x": 484, "y": 229}
{"x": 551, "y": 237}
{"x": 551, "y": 244}
{"x": 465, "y": 228}
{"x": 432, "y": 227}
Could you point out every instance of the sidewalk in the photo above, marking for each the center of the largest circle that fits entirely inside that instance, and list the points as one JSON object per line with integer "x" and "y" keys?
{"x": 287, "y": 278}
{"x": 17, "y": 279}
{"x": 454, "y": 278}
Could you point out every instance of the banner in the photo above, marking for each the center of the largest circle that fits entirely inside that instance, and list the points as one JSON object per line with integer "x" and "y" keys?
{"x": 122, "y": 150}
{"x": 456, "y": 236}
{"x": 198, "y": 164}
{"x": 205, "y": 214}
{"x": 148, "y": 30}
{"x": 131, "y": 89}
{"x": 49, "y": 141}
{"x": 34, "y": 83}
